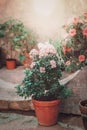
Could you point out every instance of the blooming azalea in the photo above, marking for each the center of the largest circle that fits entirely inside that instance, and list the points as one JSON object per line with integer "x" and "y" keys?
{"x": 32, "y": 65}
{"x": 45, "y": 49}
{"x": 64, "y": 49}
{"x": 33, "y": 53}
{"x": 53, "y": 64}
{"x": 72, "y": 32}
{"x": 40, "y": 45}
{"x": 42, "y": 53}
{"x": 81, "y": 58}
{"x": 42, "y": 69}
{"x": 75, "y": 48}
{"x": 68, "y": 62}
{"x": 68, "y": 49}
{"x": 41, "y": 82}
{"x": 85, "y": 31}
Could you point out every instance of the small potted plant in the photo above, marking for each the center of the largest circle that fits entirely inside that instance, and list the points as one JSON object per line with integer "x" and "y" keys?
{"x": 18, "y": 40}
{"x": 41, "y": 82}
{"x": 7, "y": 39}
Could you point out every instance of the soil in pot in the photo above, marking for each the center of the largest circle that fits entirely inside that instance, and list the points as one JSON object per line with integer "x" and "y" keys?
{"x": 11, "y": 63}
{"x": 83, "y": 109}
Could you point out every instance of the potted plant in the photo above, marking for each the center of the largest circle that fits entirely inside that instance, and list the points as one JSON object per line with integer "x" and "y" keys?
{"x": 7, "y": 39}
{"x": 83, "y": 110}
{"x": 41, "y": 82}
{"x": 74, "y": 43}
{"x": 18, "y": 40}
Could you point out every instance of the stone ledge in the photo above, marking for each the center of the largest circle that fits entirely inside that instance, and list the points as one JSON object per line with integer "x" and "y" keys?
{"x": 24, "y": 105}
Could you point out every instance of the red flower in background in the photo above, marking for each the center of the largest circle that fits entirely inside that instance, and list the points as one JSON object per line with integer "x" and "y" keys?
{"x": 85, "y": 31}
{"x": 75, "y": 43}
{"x": 68, "y": 49}
{"x": 81, "y": 58}
{"x": 72, "y": 32}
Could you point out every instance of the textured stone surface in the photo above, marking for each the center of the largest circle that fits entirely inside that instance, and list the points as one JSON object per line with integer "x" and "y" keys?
{"x": 4, "y": 104}
{"x": 78, "y": 85}
{"x": 21, "y": 105}
{"x": 11, "y": 121}
{"x": 14, "y": 76}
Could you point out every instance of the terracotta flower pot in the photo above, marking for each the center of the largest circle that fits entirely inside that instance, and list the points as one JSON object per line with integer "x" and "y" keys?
{"x": 83, "y": 109}
{"x": 27, "y": 60}
{"x": 47, "y": 111}
{"x": 11, "y": 63}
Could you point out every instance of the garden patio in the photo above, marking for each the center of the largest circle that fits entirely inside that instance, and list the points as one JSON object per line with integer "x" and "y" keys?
{"x": 43, "y": 65}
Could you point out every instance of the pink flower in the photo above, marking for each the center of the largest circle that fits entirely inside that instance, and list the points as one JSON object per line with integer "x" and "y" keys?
{"x": 85, "y": 31}
{"x": 64, "y": 50}
{"x": 50, "y": 48}
{"x": 72, "y": 32}
{"x": 42, "y": 53}
{"x": 75, "y": 20}
{"x": 32, "y": 65}
{"x": 40, "y": 45}
{"x": 68, "y": 62}
{"x": 33, "y": 53}
{"x": 68, "y": 49}
{"x": 53, "y": 64}
{"x": 85, "y": 14}
{"x": 81, "y": 58}
{"x": 45, "y": 49}
{"x": 42, "y": 69}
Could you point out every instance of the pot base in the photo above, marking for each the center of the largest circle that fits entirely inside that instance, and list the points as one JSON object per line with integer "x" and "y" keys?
{"x": 11, "y": 63}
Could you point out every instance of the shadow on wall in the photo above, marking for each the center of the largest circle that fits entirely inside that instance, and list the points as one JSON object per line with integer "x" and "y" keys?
{"x": 2, "y": 57}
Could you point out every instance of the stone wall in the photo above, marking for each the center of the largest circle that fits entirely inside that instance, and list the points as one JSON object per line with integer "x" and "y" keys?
{"x": 78, "y": 85}
{"x": 45, "y": 17}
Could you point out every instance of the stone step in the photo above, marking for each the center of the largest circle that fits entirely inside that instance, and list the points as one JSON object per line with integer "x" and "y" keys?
{"x": 8, "y": 96}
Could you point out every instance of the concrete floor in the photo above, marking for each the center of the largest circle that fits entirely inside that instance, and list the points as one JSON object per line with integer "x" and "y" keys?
{"x": 21, "y": 120}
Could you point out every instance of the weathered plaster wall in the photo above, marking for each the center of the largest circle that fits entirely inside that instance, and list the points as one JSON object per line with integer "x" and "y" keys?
{"x": 45, "y": 17}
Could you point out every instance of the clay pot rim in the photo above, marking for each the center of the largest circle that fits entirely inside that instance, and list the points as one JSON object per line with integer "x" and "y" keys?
{"x": 46, "y": 103}
{"x": 10, "y": 59}
{"x": 82, "y": 103}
